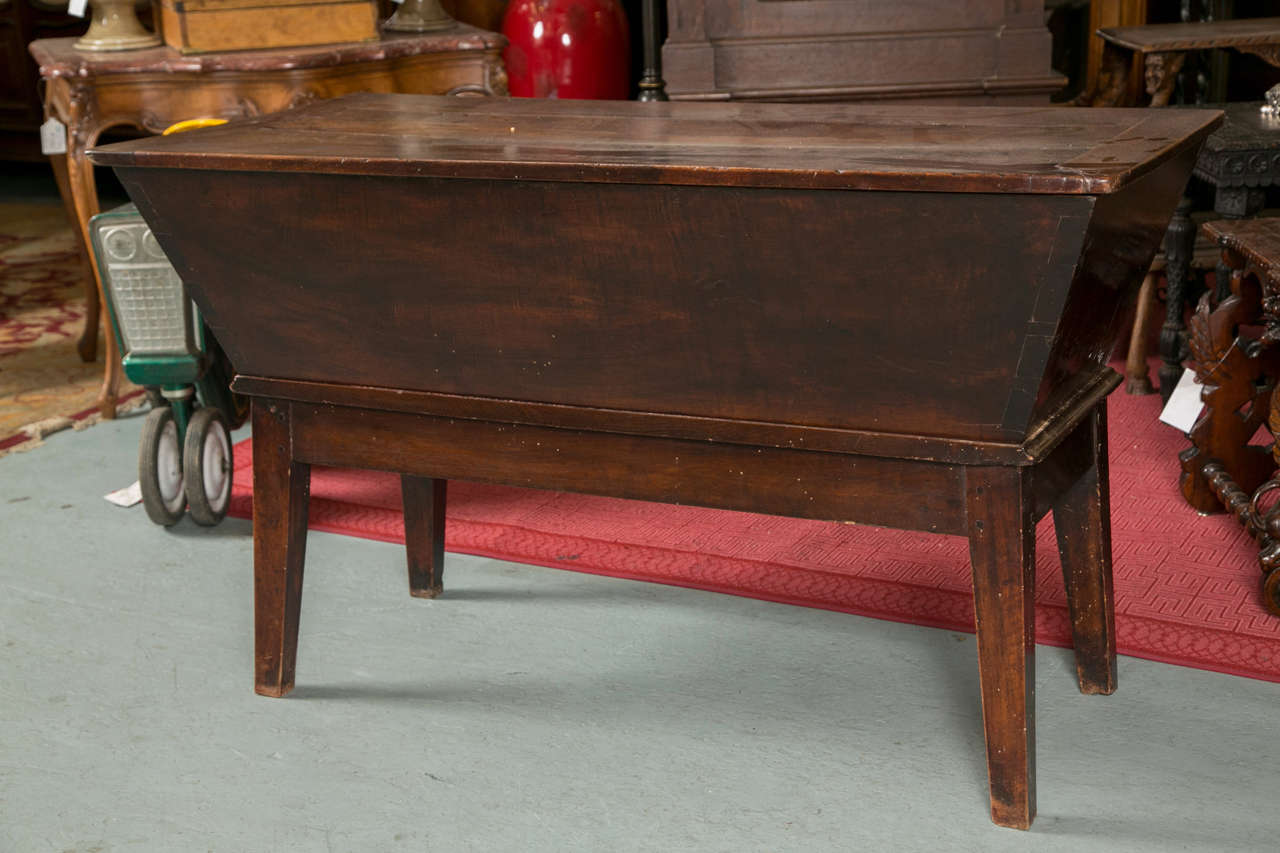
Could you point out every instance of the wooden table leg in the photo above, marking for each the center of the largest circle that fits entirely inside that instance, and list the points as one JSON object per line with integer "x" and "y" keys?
{"x": 1002, "y": 550}
{"x": 88, "y": 343}
{"x": 1139, "y": 377}
{"x": 1179, "y": 241}
{"x": 424, "y": 502}
{"x": 1082, "y": 520}
{"x": 84, "y": 194}
{"x": 280, "y": 493}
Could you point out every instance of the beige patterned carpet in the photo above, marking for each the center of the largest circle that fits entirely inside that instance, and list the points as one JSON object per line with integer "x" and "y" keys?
{"x": 44, "y": 386}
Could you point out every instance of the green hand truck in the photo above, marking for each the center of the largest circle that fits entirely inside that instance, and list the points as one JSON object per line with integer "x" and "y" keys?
{"x": 185, "y": 455}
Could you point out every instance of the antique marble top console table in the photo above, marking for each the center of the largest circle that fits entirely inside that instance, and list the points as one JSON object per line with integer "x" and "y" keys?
{"x": 153, "y": 88}
{"x": 687, "y": 303}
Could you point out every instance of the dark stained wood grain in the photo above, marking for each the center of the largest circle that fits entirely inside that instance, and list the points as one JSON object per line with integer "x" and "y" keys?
{"x": 861, "y": 314}
{"x": 974, "y": 51}
{"x": 424, "y": 504}
{"x": 281, "y": 485}
{"x": 1042, "y": 439}
{"x": 1082, "y": 521}
{"x": 836, "y": 146}
{"x": 644, "y": 298}
{"x": 1195, "y": 35}
{"x": 797, "y": 483}
{"x": 1002, "y": 550}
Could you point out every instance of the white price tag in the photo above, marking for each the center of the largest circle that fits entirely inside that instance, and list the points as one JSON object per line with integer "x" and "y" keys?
{"x": 76, "y": 7}
{"x": 128, "y": 496}
{"x": 53, "y": 137}
{"x": 1184, "y": 404}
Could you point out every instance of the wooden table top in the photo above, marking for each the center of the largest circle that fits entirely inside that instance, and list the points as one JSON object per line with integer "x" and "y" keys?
{"x": 59, "y": 58}
{"x": 1155, "y": 38}
{"x": 1257, "y": 239}
{"x": 1244, "y": 128}
{"x": 837, "y": 146}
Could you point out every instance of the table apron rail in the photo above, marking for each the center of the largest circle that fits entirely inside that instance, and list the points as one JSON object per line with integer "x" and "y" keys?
{"x": 777, "y": 481}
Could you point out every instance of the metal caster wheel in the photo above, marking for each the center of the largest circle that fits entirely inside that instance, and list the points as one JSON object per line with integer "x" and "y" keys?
{"x": 206, "y": 459}
{"x": 160, "y": 468}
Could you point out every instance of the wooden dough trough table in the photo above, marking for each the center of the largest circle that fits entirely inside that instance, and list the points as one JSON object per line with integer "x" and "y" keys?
{"x": 889, "y": 315}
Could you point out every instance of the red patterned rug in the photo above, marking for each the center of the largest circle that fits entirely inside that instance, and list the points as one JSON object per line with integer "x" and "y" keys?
{"x": 1186, "y": 585}
{"x": 44, "y": 386}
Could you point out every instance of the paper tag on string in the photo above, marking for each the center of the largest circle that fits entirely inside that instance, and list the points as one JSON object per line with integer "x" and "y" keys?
{"x": 53, "y": 137}
{"x": 76, "y": 7}
{"x": 1184, "y": 404}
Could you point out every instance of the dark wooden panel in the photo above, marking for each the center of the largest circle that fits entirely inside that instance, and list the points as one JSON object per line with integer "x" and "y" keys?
{"x": 857, "y": 49}
{"x": 1040, "y": 443}
{"x": 1126, "y": 230}
{"x": 643, "y": 298}
{"x": 798, "y": 483}
{"x": 834, "y": 146}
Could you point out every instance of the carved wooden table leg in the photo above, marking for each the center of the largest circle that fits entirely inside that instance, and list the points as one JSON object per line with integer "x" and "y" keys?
{"x": 87, "y": 346}
{"x": 1179, "y": 242}
{"x": 1139, "y": 377}
{"x": 1251, "y": 251}
{"x": 84, "y": 193}
{"x": 281, "y": 487}
{"x": 1233, "y": 202}
{"x": 1238, "y": 375}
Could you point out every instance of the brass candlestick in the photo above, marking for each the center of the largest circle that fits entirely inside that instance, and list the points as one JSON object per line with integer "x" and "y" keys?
{"x": 419, "y": 16}
{"x": 115, "y": 26}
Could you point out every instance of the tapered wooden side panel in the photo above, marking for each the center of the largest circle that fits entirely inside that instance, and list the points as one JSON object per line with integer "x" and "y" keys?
{"x": 1124, "y": 234}
{"x": 798, "y": 483}
{"x": 1002, "y": 549}
{"x": 281, "y": 487}
{"x": 791, "y": 306}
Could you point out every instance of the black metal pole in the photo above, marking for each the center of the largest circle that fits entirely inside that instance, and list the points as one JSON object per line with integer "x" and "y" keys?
{"x": 652, "y": 86}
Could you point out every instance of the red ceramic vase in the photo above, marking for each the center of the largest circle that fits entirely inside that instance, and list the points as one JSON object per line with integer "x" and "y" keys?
{"x": 567, "y": 49}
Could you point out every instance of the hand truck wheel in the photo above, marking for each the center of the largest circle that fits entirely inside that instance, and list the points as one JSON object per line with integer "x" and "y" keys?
{"x": 206, "y": 460}
{"x": 160, "y": 468}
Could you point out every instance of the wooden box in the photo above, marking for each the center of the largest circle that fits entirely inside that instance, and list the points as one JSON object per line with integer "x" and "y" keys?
{"x": 865, "y": 313}
{"x": 205, "y": 26}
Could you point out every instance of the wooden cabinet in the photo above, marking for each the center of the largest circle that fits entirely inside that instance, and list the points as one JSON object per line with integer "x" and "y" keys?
{"x": 22, "y": 21}
{"x": 974, "y": 51}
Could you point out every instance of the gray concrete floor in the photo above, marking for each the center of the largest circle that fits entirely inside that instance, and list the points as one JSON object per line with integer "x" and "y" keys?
{"x": 536, "y": 709}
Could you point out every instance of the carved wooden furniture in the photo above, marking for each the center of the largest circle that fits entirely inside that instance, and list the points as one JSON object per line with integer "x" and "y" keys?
{"x": 978, "y": 51}
{"x": 1238, "y": 162}
{"x": 21, "y": 111}
{"x": 1234, "y": 352}
{"x": 743, "y": 354}
{"x": 1106, "y": 14}
{"x": 151, "y": 89}
{"x": 1163, "y": 50}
